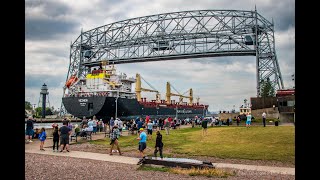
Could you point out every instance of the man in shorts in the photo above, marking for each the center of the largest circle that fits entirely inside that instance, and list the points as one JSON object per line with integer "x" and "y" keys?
{"x": 248, "y": 122}
{"x": 64, "y": 132}
{"x": 29, "y": 129}
{"x": 142, "y": 142}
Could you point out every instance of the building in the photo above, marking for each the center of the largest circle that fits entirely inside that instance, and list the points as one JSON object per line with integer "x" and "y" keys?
{"x": 286, "y": 104}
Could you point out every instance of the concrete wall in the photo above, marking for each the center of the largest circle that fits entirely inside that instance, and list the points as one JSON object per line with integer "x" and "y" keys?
{"x": 287, "y": 117}
{"x": 271, "y": 113}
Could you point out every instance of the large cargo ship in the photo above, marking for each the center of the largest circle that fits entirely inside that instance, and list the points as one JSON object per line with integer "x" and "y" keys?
{"x": 104, "y": 93}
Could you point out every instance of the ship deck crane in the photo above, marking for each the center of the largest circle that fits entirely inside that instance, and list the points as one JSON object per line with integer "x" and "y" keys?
{"x": 181, "y": 96}
{"x": 139, "y": 89}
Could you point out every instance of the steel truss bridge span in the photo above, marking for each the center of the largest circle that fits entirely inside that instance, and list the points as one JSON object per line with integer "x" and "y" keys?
{"x": 180, "y": 35}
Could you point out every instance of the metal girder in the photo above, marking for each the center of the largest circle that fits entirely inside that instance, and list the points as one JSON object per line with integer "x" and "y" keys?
{"x": 179, "y": 35}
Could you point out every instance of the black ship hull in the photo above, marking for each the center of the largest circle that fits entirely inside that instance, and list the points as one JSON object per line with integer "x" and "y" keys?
{"x": 106, "y": 107}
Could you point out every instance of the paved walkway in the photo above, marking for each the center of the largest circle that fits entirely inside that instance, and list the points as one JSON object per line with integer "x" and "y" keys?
{"x": 34, "y": 148}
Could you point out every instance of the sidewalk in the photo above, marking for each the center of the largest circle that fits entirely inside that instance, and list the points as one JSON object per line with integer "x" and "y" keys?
{"x": 34, "y": 148}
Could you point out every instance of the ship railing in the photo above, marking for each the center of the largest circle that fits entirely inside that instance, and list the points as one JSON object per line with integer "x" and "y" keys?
{"x": 89, "y": 94}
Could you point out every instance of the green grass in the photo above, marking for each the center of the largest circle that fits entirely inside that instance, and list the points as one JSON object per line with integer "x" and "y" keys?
{"x": 255, "y": 143}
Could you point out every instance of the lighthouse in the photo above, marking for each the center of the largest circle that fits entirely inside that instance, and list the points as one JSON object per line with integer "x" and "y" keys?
{"x": 44, "y": 98}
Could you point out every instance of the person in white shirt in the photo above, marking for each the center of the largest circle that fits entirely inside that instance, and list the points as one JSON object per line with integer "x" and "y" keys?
{"x": 264, "y": 115}
{"x": 120, "y": 125}
{"x": 116, "y": 122}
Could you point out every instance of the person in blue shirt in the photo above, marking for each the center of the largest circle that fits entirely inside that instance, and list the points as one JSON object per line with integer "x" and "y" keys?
{"x": 142, "y": 142}
{"x": 248, "y": 122}
{"x": 42, "y": 137}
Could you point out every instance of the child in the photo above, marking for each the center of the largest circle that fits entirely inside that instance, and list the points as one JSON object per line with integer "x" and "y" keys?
{"x": 56, "y": 138}
{"x": 159, "y": 145}
{"x": 42, "y": 137}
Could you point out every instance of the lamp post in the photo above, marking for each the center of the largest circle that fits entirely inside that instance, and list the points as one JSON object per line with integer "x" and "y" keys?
{"x": 203, "y": 110}
{"x": 117, "y": 104}
{"x": 176, "y": 111}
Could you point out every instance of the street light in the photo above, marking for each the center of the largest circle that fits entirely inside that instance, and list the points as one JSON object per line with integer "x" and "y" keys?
{"x": 203, "y": 110}
{"x": 176, "y": 111}
{"x": 117, "y": 104}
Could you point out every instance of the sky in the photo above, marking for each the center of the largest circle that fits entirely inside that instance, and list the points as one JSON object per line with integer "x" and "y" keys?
{"x": 221, "y": 82}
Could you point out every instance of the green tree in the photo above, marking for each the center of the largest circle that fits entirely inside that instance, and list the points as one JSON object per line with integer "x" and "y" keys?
{"x": 267, "y": 90}
{"x": 39, "y": 111}
{"x": 27, "y": 105}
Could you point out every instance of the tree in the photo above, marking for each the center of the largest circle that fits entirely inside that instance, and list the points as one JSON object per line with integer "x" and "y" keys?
{"x": 27, "y": 105}
{"x": 39, "y": 111}
{"x": 267, "y": 90}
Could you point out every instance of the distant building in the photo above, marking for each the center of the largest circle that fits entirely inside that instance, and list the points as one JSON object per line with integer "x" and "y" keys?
{"x": 286, "y": 100}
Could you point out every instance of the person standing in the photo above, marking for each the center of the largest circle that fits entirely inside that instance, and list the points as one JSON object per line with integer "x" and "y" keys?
{"x": 42, "y": 137}
{"x": 120, "y": 126}
{"x": 142, "y": 142}
{"x": 94, "y": 125}
{"x": 65, "y": 132}
{"x": 111, "y": 123}
{"x": 114, "y": 136}
{"x": 204, "y": 126}
{"x": 55, "y": 138}
{"x": 84, "y": 122}
{"x": 139, "y": 124}
{"x": 238, "y": 120}
{"x": 149, "y": 129}
{"x": 167, "y": 126}
{"x": 159, "y": 145}
{"x": 248, "y": 122}
{"x": 264, "y": 115}
{"x": 29, "y": 129}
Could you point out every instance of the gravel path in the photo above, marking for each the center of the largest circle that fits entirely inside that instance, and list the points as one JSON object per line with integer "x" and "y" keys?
{"x": 39, "y": 166}
{"x": 87, "y": 147}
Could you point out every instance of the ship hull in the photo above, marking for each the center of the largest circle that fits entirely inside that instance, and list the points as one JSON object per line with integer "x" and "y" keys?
{"x": 105, "y": 108}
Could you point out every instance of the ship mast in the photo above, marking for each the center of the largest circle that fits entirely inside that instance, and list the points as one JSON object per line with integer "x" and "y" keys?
{"x": 181, "y": 96}
{"x": 139, "y": 89}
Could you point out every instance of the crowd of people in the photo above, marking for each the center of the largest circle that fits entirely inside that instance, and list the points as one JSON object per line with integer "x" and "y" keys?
{"x": 143, "y": 127}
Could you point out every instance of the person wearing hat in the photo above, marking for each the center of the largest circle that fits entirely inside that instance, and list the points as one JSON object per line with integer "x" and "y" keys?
{"x": 142, "y": 142}
{"x": 114, "y": 136}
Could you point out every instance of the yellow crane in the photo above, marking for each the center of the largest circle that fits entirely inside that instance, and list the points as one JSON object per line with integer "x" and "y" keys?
{"x": 181, "y": 96}
{"x": 139, "y": 89}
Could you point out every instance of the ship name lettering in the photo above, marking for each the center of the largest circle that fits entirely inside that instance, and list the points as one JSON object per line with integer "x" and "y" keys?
{"x": 83, "y": 100}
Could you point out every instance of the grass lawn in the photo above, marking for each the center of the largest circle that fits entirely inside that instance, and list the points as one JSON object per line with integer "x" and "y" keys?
{"x": 255, "y": 143}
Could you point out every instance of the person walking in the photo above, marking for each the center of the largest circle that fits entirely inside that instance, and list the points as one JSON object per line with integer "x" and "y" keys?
{"x": 42, "y": 137}
{"x": 264, "y": 115}
{"x": 114, "y": 136}
{"x": 29, "y": 129}
{"x": 65, "y": 132}
{"x": 55, "y": 138}
{"x": 142, "y": 142}
{"x": 159, "y": 145}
